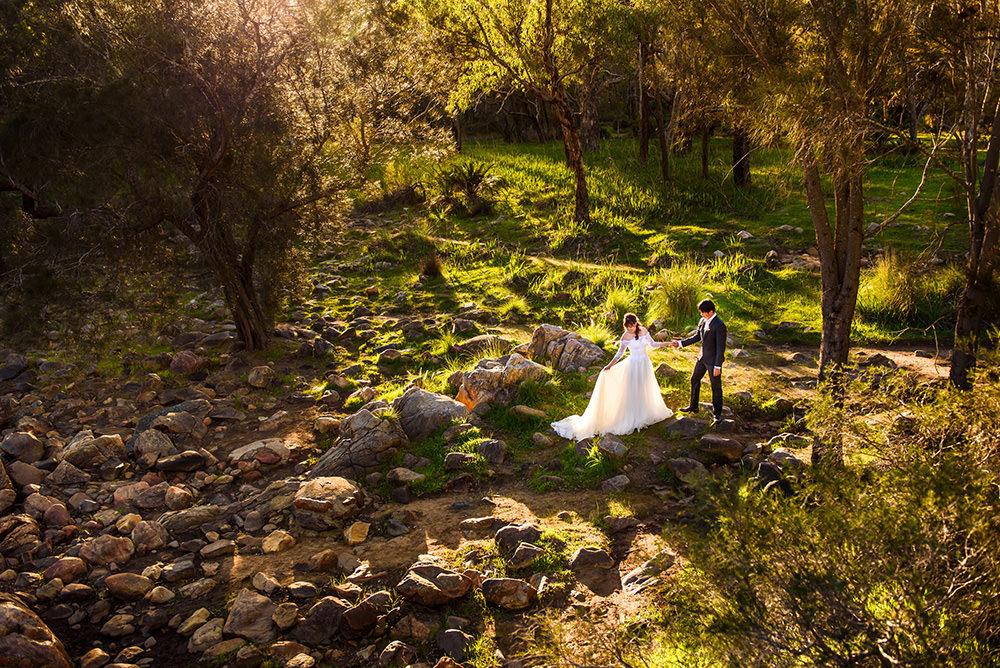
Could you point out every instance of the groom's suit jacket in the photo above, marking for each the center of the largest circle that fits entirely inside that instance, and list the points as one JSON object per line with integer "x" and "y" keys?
{"x": 713, "y": 341}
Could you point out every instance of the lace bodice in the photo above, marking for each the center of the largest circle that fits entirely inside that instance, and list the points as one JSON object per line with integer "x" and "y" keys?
{"x": 635, "y": 346}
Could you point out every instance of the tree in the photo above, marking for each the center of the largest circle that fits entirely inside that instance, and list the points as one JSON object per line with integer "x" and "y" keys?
{"x": 541, "y": 47}
{"x": 240, "y": 124}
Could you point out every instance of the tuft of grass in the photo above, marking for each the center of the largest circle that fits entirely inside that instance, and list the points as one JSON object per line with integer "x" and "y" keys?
{"x": 598, "y": 332}
{"x": 898, "y": 290}
{"x": 679, "y": 289}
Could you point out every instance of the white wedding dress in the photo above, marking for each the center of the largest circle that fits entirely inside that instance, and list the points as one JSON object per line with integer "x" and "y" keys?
{"x": 626, "y": 397}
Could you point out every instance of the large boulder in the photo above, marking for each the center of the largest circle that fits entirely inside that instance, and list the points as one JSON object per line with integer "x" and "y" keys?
{"x": 366, "y": 441}
{"x": 106, "y": 549}
{"x": 7, "y": 493}
{"x": 197, "y": 407}
{"x": 421, "y": 412}
{"x": 715, "y": 448}
{"x": 432, "y": 585}
{"x": 495, "y": 380}
{"x": 19, "y": 536}
{"x": 323, "y": 503}
{"x": 25, "y": 640}
{"x": 87, "y": 452}
{"x": 565, "y": 350}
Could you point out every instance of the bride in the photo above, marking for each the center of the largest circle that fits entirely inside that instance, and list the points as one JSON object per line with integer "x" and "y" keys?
{"x": 626, "y": 397}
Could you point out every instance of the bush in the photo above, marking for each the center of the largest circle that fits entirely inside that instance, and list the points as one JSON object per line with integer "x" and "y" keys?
{"x": 680, "y": 288}
{"x": 899, "y": 290}
{"x": 892, "y": 562}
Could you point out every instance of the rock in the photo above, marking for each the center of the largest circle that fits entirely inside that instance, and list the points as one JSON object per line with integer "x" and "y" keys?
{"x": 686, "y": 469}
{"x": 23, "y": 447}
{"x": 250, "y": 617}
{"x": 453, "y": 642}
{"x": 128, "y": 586}
{"x": 178, "y": 570}
{"x": 220, "y": 650}
{"x": 611, "y": 446}
{"x": 85, "y": 451}
{"x": 686, "y": 427}
{"x": 446, "y": 662}
{"x": 187, "y": 461}
{"x": 180, "y": 422}
{"x": 277, "y": 541}
{"x": 492, "y": 450}
{"x": 323, "y": 503}
{"x": 495, "y": 380}
{"x": 95, "y": 658}
{"x": 397, "y": 653}
{"x": 25, "y": 640}
{"x": 218, "y": 549}
{"x": 527, "y": 412}
{"x": 404, "y": 476}
{"x": 159, "y": 595}
{"x": 119, "y": 625}
{"x": 643, "y": 576}
{"x": 512, "y": 535}
{"x": 542, "y": 440}
{"x": 476, "y": 528}
{"x": 261, "y": 377}
{"x": 25, "y": 474}
{"x": 179, "y": 522}
{"x": 67, "y": 569}
{"x": 285, "y": 616}
{"x": 275, "y": 446}
{"x": 785, "y": 460}
{"x": 591, "y": 557}
{"x": 67, "y": 474}
{"x": 326, "y": 424}
{"x": 205, "y": 636}
{"x": 358, "y": 621}
{"x": 525, "y": 555}
{"x": 321, "y": 621}
{"x": 177, "y": 498}
{"x": 615, "y": 484}
{"x": 265, "y": 583}
{"x": 422, "y": 412}
{"x": 453, "y": 461}
{"x": 186, "y": 362}
{"x": 105, "y": 550}
{"x": 432, "y": 585}
{"x": 193, "y": 622}
{"x": 719, "y": 448}
{"x": 619, "y": 524}
{"x": 366, "y": 441}
{"x": 356, "y": 533}
{"x": 19, "y": 536}
{"x": 565, "y": 351}
{"x": 509, "y": 593}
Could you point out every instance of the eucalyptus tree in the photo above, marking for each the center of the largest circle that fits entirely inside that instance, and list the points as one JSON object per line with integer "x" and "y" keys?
{"x": 958, "y": 46}
{"x": 241, "y": 124}
{"x": 541, "y": 47}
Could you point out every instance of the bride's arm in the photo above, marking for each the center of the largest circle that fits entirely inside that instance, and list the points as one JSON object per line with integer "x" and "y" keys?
{"x": 618, "y": 355}
{"x": 654, "y": 344}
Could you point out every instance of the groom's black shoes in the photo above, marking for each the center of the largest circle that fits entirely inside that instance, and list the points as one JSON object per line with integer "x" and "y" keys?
{"x": 689, "y": 409}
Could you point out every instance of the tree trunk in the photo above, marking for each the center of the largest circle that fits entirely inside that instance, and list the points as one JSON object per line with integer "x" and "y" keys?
{"x": 574, "y": 157}
{"x": 706, "y": 135}
{"x": 531, "y": 108}
{"x": 252, "y": 327}
{"x": 456, "y": 131}
{"x": 661, "y": 135}
{"x": 984, "y": 238}
{"x": 590, "y": 127}
{"x": 741, "y": 157}
{"x": 643, "y": 104}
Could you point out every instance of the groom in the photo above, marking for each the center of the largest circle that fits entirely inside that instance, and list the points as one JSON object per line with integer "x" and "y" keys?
{"x": 712, "y": 334}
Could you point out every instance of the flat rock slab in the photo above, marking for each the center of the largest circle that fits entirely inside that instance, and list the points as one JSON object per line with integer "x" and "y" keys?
{"x": 509, "y": 593}
{"x": 432, "y": 585}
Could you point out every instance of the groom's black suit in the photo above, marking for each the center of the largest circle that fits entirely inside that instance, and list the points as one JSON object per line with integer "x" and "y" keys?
{"x": 713, "y": 350}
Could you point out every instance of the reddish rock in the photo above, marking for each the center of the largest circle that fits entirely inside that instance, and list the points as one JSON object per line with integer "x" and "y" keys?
{"x": 25, "y": 640}
{"x": 186, "y": 362}
{"x": 105, "y": 550}
{"x": 67, "y": 569}
{"x": 128, "y": 586}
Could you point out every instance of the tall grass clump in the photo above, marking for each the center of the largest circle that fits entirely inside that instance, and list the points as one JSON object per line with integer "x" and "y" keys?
{"x": 679, "y": 289}
{"x": 622, "y": 298}
{"x": 899, "y": 290}
{"x": 598, "y": 332}
{"x": 891, "y": 559}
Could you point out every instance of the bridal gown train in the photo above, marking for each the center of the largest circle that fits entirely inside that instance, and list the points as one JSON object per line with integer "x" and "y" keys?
{"x": 626, "y": 397}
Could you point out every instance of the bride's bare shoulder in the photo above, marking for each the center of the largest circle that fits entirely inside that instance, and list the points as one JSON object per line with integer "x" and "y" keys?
{"x": 627, "y": 337}
{"x": 643, "y": 332}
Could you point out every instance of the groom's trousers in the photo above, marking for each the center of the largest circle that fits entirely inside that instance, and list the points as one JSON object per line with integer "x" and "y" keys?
{"x": 716, "y": 382}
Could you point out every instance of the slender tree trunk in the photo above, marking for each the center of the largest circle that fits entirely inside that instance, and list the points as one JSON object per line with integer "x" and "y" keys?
{"x": 456, "y": 130}
{"x": 574, "y": 157}
{"x": 661, "y": 135}
{"x": 706, "y": 135}
{"x": 741, "y": 157}
{"x": 644, "y": 52}
{"x": 531, "y": 108}
{"x": 984, "y": 238}
{"x": 590, "y": 127}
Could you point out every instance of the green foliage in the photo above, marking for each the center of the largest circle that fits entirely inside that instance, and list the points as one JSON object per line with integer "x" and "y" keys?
{"x": 899, "y": 291}
{"x": 891, "y": 558}
{"x": 679, "y": 289}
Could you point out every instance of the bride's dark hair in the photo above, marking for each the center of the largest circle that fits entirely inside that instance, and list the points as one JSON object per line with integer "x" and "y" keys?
{"x": 632, "y": 319}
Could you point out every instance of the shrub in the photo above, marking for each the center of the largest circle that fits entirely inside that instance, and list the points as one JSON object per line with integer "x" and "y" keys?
{"x": 679, "y": 290}
{"x": 894, "y": 561}
{"x": 899, "y": 290}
